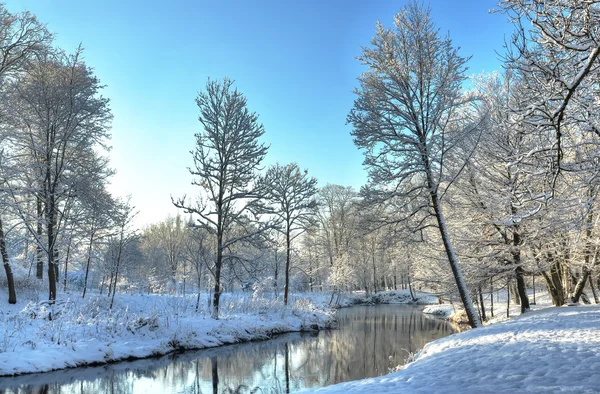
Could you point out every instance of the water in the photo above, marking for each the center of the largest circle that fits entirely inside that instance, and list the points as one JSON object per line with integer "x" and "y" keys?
{"x": 370, "y": 341}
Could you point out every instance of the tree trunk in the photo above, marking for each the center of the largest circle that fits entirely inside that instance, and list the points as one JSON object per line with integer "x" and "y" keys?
{"x": 521, "y": 289}
{"x": 374, "y": 274}
{"x": 67, "y": 263}
{"x": 453, "y": 260}
{"x": 87, "y": 265}
{"x": 12, "y": 293}
{"x": 287, "y": 264}
{"x": 578, "y": 291}
{"x": 51, "y": 230}
{"x": 112, "y": 300}
{"x": 481, "y": 304}
{"x": 491, "y": 297}
{"x": 533, "y": 285}
{"x": 593, "y": 289}
{"x": 412, "y": 295}
{"x": 508, "y": 299}
{"x": 218, "y": 264}
{"x": 39, "y": 272}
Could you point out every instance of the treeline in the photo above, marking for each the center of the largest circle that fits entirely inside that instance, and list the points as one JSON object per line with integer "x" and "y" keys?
{"x": 500, "y": 180}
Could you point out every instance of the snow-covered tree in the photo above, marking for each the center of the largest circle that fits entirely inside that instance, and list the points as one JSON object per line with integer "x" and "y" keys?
{"x": 58, "y": 120}
{"x": 227, "y": 156}
{"x": 21, "y": 38}
{"x": 291, "y": 193}
{"x": 409, "y": 116}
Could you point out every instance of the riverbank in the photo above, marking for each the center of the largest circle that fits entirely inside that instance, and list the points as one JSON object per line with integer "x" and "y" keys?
{"x": 37, "y": 337}
{"x": 553, "y": 350}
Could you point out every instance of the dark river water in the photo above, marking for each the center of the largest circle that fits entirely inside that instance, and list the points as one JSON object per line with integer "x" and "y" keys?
{"x": 369, "y": 341}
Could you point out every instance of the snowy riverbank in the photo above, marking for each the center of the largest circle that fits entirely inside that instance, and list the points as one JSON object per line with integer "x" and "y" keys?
{"x": 553, "y": 350}
{"x": 84, "y": 331}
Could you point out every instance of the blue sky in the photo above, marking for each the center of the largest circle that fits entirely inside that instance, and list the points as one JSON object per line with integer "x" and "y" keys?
{"x": 294, "y": 61}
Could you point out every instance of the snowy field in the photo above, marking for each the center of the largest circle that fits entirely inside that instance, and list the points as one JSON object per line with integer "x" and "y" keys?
{"x": 553, "y": 350}
{"x": 37, "y": 337}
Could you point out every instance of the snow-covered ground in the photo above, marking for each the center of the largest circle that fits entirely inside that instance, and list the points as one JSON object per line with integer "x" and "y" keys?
{"x": 552, "y": 350}
{"x": 390, "y": 297}
{"x": 37, "y": 337}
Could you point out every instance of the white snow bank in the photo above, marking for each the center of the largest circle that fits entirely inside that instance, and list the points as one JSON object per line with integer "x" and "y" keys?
{"x": 391, "y": 297}
{"x": 555, "y": 350}
{"x": 442, "y": 310}
{"x": 74, "y": 332}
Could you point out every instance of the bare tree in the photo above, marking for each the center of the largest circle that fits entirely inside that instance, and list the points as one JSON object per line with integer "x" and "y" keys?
{"x": 59, "y": 120}
{"x": 123, "y": 218}
{"x": 557, "y": 51}
{"x": 21, "y": 38}
{"x": 409, "y": 115}
{"x": 291, "y": 192}
{"x": 227, "y": 155}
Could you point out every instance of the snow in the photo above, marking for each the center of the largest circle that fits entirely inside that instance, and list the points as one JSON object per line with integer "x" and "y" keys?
{"x": 38, "y": 337}
{"x": 389, "y": 297}
{"x": 553, "y": 350}
{"x": 442, "y": 310}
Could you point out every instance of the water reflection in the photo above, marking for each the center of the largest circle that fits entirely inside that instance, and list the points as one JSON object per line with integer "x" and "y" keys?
{"x": 369, "y": 341}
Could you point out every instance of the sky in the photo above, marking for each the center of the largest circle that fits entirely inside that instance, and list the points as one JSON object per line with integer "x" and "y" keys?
{"x": 295, "y": 61}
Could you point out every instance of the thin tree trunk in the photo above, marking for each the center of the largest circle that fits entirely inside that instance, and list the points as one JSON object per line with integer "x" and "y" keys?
{"x": 508, "y": 299}
{"x": 112, "y": 300}
{"x": 87, "y": 265}
{"x": 482, "y": 304}
{"x": 12, "y": 293}
{"x": 67, "y": 263}
{"x": 492, "y": 297}
{"x": 412, "y": 295}
{"x": 533, "y": 285}
{"x": 287, "y": 264}
{"x": 39, "y": 273}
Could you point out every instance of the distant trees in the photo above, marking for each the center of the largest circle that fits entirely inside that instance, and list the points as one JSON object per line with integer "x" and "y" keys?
{"x": 409, "y": 116}
{"x": 291, "y": 193}
{"x": 227, "y": 156}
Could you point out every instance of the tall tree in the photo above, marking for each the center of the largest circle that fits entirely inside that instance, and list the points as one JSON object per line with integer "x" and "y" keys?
{"x": 59, "y": 120}
{"x": 409, "y": 115}
{"x": 291, "y": 192}
{"x": 21, "y": 38}
{"x": 226, "y": 157}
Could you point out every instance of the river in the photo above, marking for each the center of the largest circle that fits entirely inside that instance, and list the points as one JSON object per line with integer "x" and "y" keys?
{"x": 369, "y": 341}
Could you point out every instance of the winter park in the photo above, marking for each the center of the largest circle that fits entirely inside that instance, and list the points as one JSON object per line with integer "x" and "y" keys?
{"x": 275, "y": 197}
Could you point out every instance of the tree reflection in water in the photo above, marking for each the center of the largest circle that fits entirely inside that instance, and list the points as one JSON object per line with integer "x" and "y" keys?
{"x": 370, "y": 342}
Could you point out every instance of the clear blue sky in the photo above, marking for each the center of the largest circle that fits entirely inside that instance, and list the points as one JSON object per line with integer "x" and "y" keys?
{"x": 294, "y": 61}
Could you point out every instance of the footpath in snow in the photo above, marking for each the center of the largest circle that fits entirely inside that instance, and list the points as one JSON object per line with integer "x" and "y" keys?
{"x": 554, "y": 350}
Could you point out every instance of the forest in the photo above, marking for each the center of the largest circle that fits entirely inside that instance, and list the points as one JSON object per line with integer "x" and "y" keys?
{"x": 476, "y": 182}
